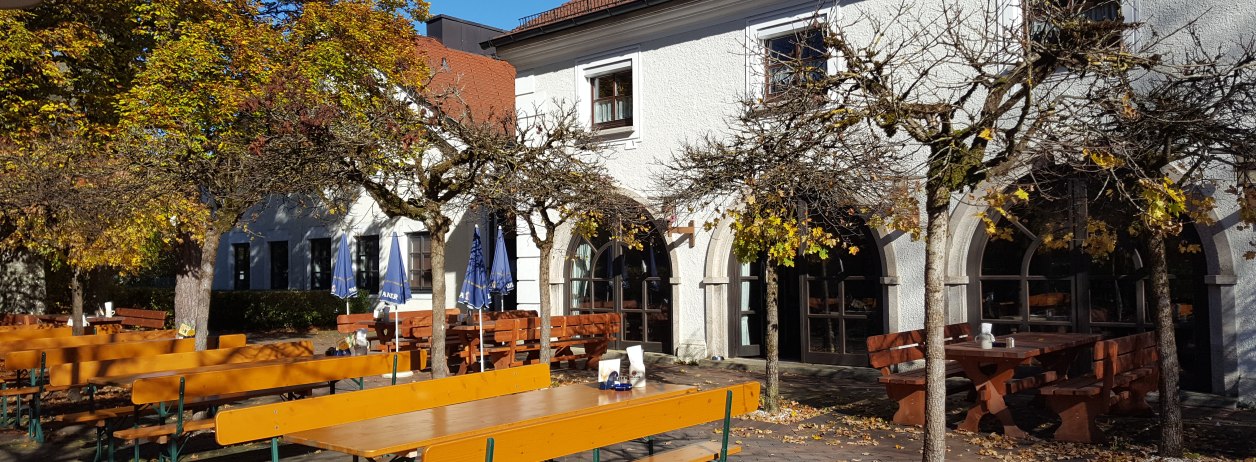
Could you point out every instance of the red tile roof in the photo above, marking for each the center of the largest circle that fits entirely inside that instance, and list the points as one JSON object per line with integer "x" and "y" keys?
{"x": 571, "y": 9}
{"x": 486, "y": 85}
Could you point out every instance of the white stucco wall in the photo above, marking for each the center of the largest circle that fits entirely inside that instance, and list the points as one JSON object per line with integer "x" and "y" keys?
{"x": 690, "y": 65}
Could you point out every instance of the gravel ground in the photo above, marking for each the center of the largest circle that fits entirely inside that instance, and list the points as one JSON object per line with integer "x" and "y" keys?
{"x": 832, "y": 414}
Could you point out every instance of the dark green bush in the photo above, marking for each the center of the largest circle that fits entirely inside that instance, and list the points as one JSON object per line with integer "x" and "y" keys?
{"x": 247, "y": 310}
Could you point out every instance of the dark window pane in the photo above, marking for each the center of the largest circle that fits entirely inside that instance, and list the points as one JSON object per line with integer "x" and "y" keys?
{"x": 824, "y": 332}
{"x": 240, "y": 278}
{"x": 420, "y": 262}
{"x": 320, "y": 264}
{"x": 1000, "y": 300}
{"x": 279, "y": 265}
{"x": 660, "y": 323}
{"x": 1050, "y": 300}
{"x": 857, "y": 333}
{"x": 367, "y": 262}
{"x": 1004, "y": 257}
{"x": 1113, "y": 300}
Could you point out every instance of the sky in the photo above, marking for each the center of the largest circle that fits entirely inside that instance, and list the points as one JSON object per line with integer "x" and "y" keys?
{"x": 502, "y": 14}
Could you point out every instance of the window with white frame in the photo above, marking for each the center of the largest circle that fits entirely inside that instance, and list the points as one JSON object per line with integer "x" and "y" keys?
{"x": 787, "y": 50}
{"x": 1054, "y": 21}
{"x": 612, "y": 99}
{"x": 794, "y": 59}
{"x": 610, "y": 81}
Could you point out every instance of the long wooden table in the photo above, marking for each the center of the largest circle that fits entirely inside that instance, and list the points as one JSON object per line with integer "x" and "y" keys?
{"x": 401, "y": 433}
{"x": 991, "y": 370}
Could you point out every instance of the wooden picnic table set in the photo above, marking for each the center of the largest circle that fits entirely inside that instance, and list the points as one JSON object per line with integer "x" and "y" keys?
{"x": 1121, "y": 373}
{"x": 510, "y": 338}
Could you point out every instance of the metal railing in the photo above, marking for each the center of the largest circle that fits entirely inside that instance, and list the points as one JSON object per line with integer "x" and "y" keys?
{"x": 568, "y": 10}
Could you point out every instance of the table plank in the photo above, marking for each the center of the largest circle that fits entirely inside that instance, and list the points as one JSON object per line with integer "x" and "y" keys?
{"x": 405, "y": 432}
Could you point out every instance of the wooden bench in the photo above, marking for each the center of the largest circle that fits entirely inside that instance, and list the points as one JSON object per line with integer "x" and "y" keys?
{"x": 605, "y": 427}
{"x": 1124, "y": 370}
{"x": 522, "y": 336}
{"x": 147, "y": 319}
{"x": 217, "y": 387}
{"x": 270, "y": 421}
{"x": 411, "y": 323}
{"x": 907, "y": 388}
{"x": 18, "y": 319}
{"x": 30, "y": 332}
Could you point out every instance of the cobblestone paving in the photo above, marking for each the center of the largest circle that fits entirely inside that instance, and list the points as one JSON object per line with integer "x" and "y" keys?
{"x": 835, "y": 414}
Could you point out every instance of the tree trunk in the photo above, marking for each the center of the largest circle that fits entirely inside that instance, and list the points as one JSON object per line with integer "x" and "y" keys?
{"x": 772, "y": 344}
{"x": 193, "y": 283}
{"x": 547, "y": 248}
{"x": 1170, "y": 408}
{"x": 76, "y": 301}
{"x": 438, "y": 227}
{"x": 937, "y": 209}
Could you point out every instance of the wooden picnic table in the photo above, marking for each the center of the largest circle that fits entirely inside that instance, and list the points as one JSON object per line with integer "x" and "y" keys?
{"x": 469, "y": 336}
{"x": 992, "y": 370}
{"x": 96, "y": 324}
{"x": 401, "y": 433}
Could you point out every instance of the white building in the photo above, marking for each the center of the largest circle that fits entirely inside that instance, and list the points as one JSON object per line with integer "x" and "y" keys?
{"x": 652, "y": 74}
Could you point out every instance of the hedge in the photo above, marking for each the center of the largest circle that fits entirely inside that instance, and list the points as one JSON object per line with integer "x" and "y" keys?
{"x": 250, "y": 310}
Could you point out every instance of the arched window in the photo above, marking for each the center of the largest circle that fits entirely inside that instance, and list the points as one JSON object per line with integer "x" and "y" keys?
{"x": 607, "y": 276}
{"x": 1038, "y": 275}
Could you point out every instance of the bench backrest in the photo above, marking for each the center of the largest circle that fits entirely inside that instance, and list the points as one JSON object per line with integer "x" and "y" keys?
{"x": 267, "y": 376}
{"x": 420, "y": 327}
{"x": 29, "y": 359}
{"x": 80, "y": 373}
{"x": 1124, "y": 354}
{"x": 135, "y": 317}
{"x": 563, "y": 327}
{"x": 29, "y": 332}
{"x": 62, "y": 342}
{"x": 496, "y": 315}
{"x": 18, "y": 319}
{"x": 599, "y": 428}
{"x": 900, "y": 347}
{"x": 277, "y": 419}
{"x": 348, "y": 323}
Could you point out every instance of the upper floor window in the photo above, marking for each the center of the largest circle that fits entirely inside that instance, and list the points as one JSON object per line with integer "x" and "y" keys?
{"x": 612, "y": 99}
{"x": 794, "y": 59}
{"x": 1070, "y": 23}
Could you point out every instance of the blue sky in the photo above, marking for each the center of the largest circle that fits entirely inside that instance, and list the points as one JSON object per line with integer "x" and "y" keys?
{"x": 502, "y": 14}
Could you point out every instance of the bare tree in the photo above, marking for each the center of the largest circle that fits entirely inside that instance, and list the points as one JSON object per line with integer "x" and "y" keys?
{"x": 1162, "y": 136}
{"x": 968, "y": 86}
{"x": 793, "y": 177}
{"x": 550, "y": 174}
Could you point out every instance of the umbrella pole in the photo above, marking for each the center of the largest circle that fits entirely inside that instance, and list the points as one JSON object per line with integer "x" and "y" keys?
{"x": 481, "y": 340}
{"x": 396, "y": 331}
{"x": 346, "y": 307}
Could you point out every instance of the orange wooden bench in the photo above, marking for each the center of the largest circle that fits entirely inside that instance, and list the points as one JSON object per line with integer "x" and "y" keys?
{"x": 270, "y": 421}
{"x": 217, "y": 387}
{"x": 19, "y": 319}
{"x": 33, "y": 331}
{"x": 907, "y": 388}
{"x": 1124, "y": 370}
{"x": 589, "y": 431}
{"x": 147, "y": 319}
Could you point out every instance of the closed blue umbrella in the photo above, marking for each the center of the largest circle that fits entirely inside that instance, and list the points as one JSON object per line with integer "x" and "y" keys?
{"x": 394, "y": 288}
{"x": 343, "y": 284}
{"x": 474, "y": 291}
{"x": 499, "y": 279}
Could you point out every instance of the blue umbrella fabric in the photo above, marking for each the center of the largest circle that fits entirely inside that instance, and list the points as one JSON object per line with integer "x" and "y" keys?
{"x": 499, "y": 279}
{"x": 474, "y": 291}
{"x": 394, "y": 288}
{"x": 343, "y": 284}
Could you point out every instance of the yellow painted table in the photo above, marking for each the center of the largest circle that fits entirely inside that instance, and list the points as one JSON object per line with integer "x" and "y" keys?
{"x": 401, "y": 433}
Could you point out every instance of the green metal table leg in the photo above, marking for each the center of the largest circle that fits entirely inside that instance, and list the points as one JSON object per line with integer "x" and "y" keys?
{"x": 728, "y": 418}
{"x": 274, "y": 449}
{"x": 488, "y": 453}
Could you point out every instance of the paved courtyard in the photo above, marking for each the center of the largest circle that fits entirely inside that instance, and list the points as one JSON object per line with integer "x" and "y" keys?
{"x": 834, "y": 414}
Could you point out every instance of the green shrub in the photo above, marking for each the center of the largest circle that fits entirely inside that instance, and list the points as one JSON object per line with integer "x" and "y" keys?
{"x": 247, "y": 310}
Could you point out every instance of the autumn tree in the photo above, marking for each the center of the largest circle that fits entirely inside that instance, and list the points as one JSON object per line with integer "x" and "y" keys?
{"x": 792, "y": 178}
{"x": 966, "y": 86}
{"x": 1160, "y": 136}
{"x": 65, "y": 193}
{"x": 202, "y": 111}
